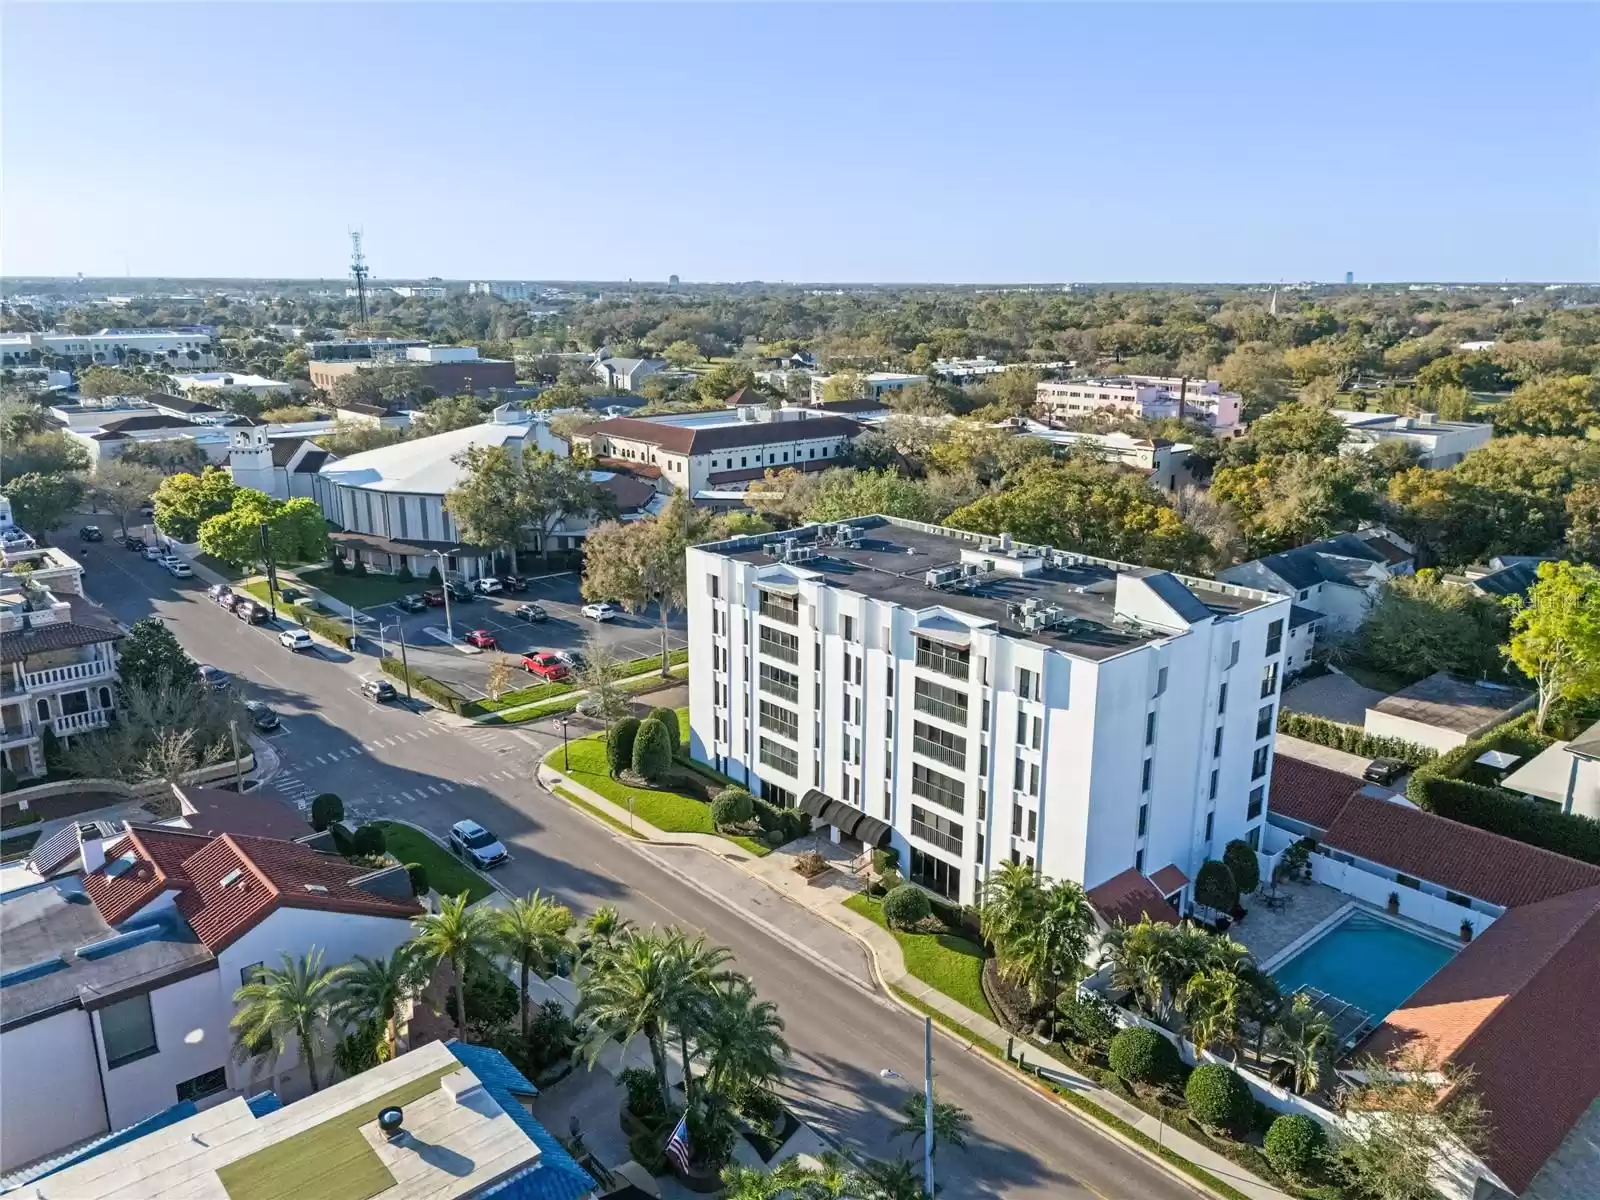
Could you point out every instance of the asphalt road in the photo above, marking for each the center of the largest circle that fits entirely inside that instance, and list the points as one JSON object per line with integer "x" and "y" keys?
{"x": 390, "y": 760}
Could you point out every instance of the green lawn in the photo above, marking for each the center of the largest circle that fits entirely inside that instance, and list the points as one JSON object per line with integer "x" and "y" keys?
{"x": 619, "y": 826}
{"x": 18, "y": 846}
{"x": 363, "y": 591}
{"x": 330, "y": 1161}
{"x": 630, "y": 676}
{"x": 950, "y": 964}
{"x": 671, "y": 812}
{"x": 447, "y": 874}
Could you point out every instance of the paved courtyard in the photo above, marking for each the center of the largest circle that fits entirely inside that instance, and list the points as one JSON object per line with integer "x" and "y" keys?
{"x": 1336, "y": 697}
{"x": 1265, "y": 932}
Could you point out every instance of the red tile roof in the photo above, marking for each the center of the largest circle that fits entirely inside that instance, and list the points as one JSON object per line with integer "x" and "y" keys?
{"x": 1307, "y": 793}
{"x": 1520, "y": 1006}
{"x": 1128, "y": 897}
{"x": 261, "y": 813}
{"x": 222, "y": 906}
{"x": 119, "y": 890}
{"x": 1471, "y": 861}
{"x": 1169, "y": 879}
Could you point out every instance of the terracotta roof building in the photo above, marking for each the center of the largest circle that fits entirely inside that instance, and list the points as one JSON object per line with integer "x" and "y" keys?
{"x": 1130, "y": 898}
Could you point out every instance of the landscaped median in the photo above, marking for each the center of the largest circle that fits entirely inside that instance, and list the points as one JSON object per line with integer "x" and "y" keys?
{"x": 946, "y": 962}
{"x": 630, "y": 672}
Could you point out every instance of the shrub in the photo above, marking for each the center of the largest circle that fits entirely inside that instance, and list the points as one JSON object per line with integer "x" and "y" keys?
{"x": 905, "y": 906}
{"x": 341, "y": 838}
{"x": 669, "y": 721}
{"x": 420, "y": 885}
{"x": 1219, "y": 1099}
{"x": 1351, "y": 738}
{"x": 1294, "y": 1145}
{"x": 337, "y": 632}
{"x": 359, "y": 570}
{"x": 433, "y": 574}
{"x": 368, "y": 841}
{"x": 646, "y": 1148}
{"x": 774, "y": 838}
{"x": 886, "y": 860}
{"x": 652, "y": 752}
{"x": 404, "y": 574}
{"x": 325, "y": 810}
{"x": 1215, "y": 887}
{"x": 1242, "y": 863}
{"x": 1141, "y": 1055}
{"x": 731, "y": 807}
{"x": 644, "y": 1094}
{"x": 1085, "y": 1020}
{"x": 619, "y": 744}
{"x": 338, "y": 564}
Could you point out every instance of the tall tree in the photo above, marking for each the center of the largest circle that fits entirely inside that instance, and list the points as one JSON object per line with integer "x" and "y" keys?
{"x": 124, "y": 487}
{"x": 486, "y": 503}
{"x": 170, "y": 456}
{"x": 1553, "y": 406}
{"x": 151, "y": 657}
{"x": 950, "y": 1121}
{"x": 1421, "y": 623}
{"x": 278, "y": 1004}
{"x": 447, "y": 413}
{"x": 41, "y": 502}
{"x": 185, "y": 502}
{"x": 632, "y": 988}
{"x": 532, "y": 933}
{"x": 49, "y": 453}
{"x": 642, "y": 562}
{"x": 554, "y": 487}
{"x": 456, "y": 934}
{"x": 369, "y": 993}
{"x": 1555, "y": 635}
{"x": 1292, "y": 500}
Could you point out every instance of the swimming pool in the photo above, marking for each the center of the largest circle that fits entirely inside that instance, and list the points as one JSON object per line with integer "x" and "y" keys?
{"x": 1366, "y": 961}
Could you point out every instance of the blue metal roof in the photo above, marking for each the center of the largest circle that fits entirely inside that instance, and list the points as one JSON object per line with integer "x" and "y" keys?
{"x": 181, "y": 1111}
{"x": 263, "y": 1103}
{"x": 556, "y": 1176}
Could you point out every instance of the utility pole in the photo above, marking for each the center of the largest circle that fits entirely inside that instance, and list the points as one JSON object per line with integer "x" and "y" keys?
{"x": 405, "y": 666}
{"x": 927, "y": 1106}
{"x": 238, "y": 771}
{"x": 272, "y": 570}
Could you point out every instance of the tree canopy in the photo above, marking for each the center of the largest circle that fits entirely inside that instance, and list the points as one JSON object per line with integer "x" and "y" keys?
{"x": 186, "y": 502}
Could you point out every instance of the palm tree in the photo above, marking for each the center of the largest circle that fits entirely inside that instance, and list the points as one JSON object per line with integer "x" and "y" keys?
{"x": 604, "y": 926}
{"x": 455, "y": 933}
{"x": 1211, "y": 1001}
{"x": 633, "y": 985}
{"x": 1137, "y": 956}
{"x": 949, "y": 1121}
{"x": 1009, "y": 903}
{"x": 371, "y": 990}
{"x": 277, "y": 1004}
{"x": 741, "y": 1041}
{"x": 897, "y": 1180}
{"x": 698, "y": 969}
{"x": 531, "y": 932}
{"x": 1303, "y": 1036}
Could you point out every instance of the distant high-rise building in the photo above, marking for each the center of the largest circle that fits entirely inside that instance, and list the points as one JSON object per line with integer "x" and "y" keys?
{"x": 1349, "y": 278}
{"x": 672, "y": 279}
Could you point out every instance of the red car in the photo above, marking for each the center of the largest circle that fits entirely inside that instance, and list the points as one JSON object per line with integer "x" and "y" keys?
{"x": 433, "y": 597}
{"x": 545, "y": 665}
{"x": 482, "y": 639}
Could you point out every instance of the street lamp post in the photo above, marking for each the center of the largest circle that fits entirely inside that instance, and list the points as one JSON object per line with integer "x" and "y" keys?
{"x": 927, "y": 1102}
{"x": 566, "y": 765}
{"x": 444, "y": 586}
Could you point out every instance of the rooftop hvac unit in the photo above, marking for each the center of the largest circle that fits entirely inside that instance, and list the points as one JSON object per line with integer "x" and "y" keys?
{"x": 801, "y": 554}
{"x": 942, "y": 576}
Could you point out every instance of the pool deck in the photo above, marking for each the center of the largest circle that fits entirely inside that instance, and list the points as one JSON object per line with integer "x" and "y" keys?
{"x": 1266, "y": 934}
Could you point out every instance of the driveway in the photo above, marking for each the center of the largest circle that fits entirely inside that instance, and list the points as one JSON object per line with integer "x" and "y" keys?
{"x": 1336, "y": 697}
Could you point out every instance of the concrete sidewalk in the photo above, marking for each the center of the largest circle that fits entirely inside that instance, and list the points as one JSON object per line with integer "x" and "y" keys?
{"x": 686, "y": 852}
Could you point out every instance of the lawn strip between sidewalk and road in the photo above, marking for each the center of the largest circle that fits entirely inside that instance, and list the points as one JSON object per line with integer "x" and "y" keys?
{"x": 947, "y": 963}
{"x": 619, "y": 826}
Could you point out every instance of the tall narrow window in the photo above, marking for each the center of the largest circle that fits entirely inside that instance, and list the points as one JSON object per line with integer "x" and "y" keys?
{"x": 1149, "y": 770}
{"x": 1150, "y": 729}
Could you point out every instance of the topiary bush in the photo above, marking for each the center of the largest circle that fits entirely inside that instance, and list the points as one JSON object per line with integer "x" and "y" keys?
{"x": 669, "y": 721}
{"x": 359, "y": 569}
{"x": 652, "y": 752}
{"x": 619, "y": 744}
{"x": 433, "y": 574}
{"x": 731, "y": 807}
{"x": 905, "y": 906}
{"x": 418, "y": 874}
{"x": 1242, "y": 862}
{"x": 1294, "y": 1145}
{"x": 1141, "y": 1055}
{"x": 404, "y": 574}
{"x": 325, "y": 810}
{"x": 1215, "y": 887}
{"x": 368, "y": 841}
{"x": 1219, "y": 1099}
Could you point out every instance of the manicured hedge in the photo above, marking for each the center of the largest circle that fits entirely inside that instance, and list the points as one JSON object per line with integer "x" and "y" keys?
{"x": 619, "y": 744}
{"x": 1351, "y": 738}
{"x": 1434, "y": 787}
{"x": 1294, "y": 1145}
{"x": 906, "y": 905}
{"x": 1142, "y": 1055}
{"x": 441, "y": 694}
{"x": 1219, "y": 1099}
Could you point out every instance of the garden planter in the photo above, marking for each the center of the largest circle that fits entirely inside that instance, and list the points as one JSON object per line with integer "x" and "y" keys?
{"x": 820, "y": 879}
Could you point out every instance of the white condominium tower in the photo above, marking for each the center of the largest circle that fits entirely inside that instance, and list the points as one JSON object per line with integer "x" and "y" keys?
{"x": 971, "y": 701}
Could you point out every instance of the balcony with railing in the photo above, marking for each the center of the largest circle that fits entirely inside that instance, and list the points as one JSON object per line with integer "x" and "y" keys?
{"x": 936, "y": 831}
{"x": 88, "y": 671}
{"x": 780, "y": 608}
{"x": 781, "y": 646}
{"x": 83, "y": 722}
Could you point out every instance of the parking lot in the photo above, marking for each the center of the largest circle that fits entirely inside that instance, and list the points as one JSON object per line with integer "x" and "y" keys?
{"x": 626, "y": 636}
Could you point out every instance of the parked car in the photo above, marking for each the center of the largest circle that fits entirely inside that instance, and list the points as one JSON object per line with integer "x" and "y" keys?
{"x": 252, "y": 611}
{"x": 178, "y": 569}
{"x": 476, "y": 844}
{"x": 218, "y": 590}
{"x": 532, "y": 613}
{"x": 482, "y": 639}
{"x": 229, "y": 601}
{"x": 603, "y": 611}
{"x": 574, "y": 659}
{"x": 545, "y": 665}
{"x": 1384, "y": 770}
{"x": 487, "y": 586}
{"x": 133, "y": 543}
{"x": 261, "y": 715}
{"x": 433, "y": 597}
{"x": 154, "y": 553}
{"x": 214, "y": 678}
{"x": 91, "y": 533}
{"x": 459, "y": 592}
{"x": 415, "y": 602}
{"x": 514, "y": 583}
{"x": 296, "y": 639}
{"x": 379, "y": 691}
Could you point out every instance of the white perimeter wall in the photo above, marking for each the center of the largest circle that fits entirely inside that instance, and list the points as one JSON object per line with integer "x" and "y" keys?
{"x": 49, "y": 1088}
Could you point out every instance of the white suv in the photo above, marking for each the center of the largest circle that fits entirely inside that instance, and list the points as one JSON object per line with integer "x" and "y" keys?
{"x": 488, "y": 586}
{"x": 600, "y": 612}
{"x": 296, "y": 639}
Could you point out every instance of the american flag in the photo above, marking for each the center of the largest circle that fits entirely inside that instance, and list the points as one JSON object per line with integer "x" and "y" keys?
{"x": 678, "y": 1144}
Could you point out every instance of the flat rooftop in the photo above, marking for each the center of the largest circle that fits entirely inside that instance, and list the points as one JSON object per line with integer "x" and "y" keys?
{"x": 460, "y": 1139}
{"x": 56, "y": 948}
{"x": 891, "y": 560}
{"x": 1447, "y": 701}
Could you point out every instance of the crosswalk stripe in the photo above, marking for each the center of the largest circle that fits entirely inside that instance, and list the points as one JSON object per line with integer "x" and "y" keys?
{"x": 435, "y": 790}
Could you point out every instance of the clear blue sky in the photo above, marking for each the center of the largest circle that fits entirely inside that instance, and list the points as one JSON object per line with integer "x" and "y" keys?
{"x": 804, "y": 142}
